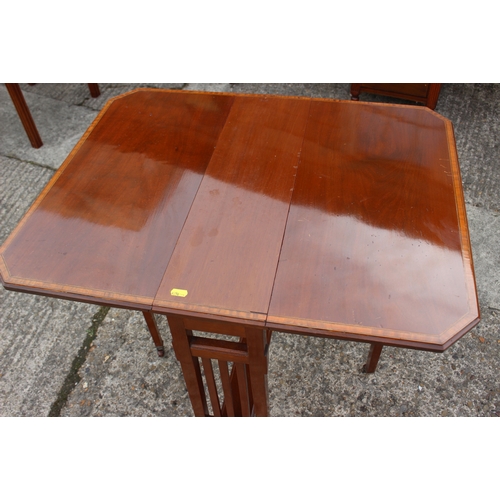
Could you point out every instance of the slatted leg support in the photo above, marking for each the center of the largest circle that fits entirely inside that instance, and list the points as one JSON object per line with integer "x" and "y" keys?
{"x": 155, "y": 333}
{"x": 373, "y": 357}
{"x": 234, "y": 372}
{"x": 23, "y": 111}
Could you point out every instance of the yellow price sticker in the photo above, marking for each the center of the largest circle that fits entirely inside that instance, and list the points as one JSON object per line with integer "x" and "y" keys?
{"x": 177, "y": 292}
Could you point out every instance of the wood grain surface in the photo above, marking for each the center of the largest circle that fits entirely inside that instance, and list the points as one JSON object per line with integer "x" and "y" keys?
{"x": 332, "y": 218}
{"x": 109, "y": 223}
{"x": 373, "y": 243}
{"x": 227, "y": 254}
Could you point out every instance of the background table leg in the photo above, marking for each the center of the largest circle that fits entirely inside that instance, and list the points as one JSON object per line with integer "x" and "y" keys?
{"x": 16, "y": 94}
{"x": 155, "y": 333}
{"x": 373, "y": 356}
{"x": 94, "y": 89}
{"x": 432, "y": 97}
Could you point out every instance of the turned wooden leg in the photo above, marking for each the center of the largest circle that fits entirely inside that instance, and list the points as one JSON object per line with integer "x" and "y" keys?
{"x": 373, "y": 356}
{"x": 155, "y": 333}
{"x": 23, "y": 111}
{"x": 94, "y": 89}
{"x": 355, "y": 91}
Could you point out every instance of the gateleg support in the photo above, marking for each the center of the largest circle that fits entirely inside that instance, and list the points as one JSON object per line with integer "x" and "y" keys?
{"x": 257, "y": 342}
{"x": 190, "y": 364}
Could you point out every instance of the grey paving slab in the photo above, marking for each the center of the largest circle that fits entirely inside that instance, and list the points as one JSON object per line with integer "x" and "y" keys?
{"x": 484, "y": 228}
{"x": 109, "y": 90}
{"x": 123, "y": 375}
{"x": 325, "y": 90}
{"x": 317, "y": 377}
{"x": 20, "y": 184}
{"x": 59, "y": 124}
{"x": 73, "y": 94}
{"x": 474, "y": 110}
{"x": 209, "y": 87}
{"x": 78, "y": 94}
{"x": 39, "y": 337}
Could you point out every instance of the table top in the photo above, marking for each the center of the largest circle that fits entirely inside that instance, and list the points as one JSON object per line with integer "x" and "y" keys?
{"x": 315, "y": 216}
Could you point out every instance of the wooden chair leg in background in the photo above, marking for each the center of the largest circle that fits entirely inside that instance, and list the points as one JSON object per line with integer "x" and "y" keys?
{"x": 94, "y": 89}
{"x": 16, "y": 94}
{"x": 373, "y": 357}
{"x": 432, "y": 96}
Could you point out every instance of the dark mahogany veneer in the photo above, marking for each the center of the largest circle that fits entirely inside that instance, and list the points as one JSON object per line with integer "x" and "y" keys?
{"x": 242, "y": 214}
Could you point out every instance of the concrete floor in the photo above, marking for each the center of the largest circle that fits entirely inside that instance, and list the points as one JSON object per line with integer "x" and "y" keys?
{"x": 71, "y": 359}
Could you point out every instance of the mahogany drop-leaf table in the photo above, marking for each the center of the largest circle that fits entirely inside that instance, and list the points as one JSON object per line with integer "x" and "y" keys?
{"x": 243, "y": 214}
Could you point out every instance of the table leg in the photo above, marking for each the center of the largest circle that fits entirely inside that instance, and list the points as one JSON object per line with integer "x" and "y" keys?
{"x": 94, "y": 89}
{"x": 432, "y": 96}
{"x": 23, "y": 111}
{"x": 256, "y": 339}
{"x": 189, "y": 364}
{"x": 155, "y": 333}
{"x": 355, "y": 91}
{"x": 373, "y": 356}
{"x": 242, "y": 366}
